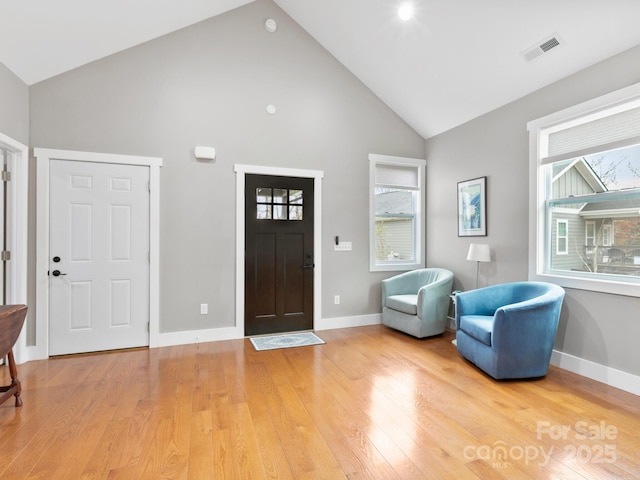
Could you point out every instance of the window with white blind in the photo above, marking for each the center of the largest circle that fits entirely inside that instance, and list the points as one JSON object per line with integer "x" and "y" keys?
{"x": 396, "y": 213}
{"x": 585, "y": 195}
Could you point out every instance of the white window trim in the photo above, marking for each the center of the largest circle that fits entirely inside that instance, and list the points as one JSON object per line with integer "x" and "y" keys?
{"x": 587, "y": 237}
{"x": 565, "y": 237}
{"x": 537, "y": 145}
{"x": 419, "y": 245}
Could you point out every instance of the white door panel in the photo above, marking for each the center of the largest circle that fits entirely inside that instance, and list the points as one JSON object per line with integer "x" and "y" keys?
{"x": 99, "y": 233}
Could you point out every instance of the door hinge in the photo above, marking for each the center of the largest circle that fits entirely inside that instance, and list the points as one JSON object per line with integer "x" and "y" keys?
{"x": 6, "y": 175}
{"x": 149, "y": 186}
{"x": 5, "y": 255}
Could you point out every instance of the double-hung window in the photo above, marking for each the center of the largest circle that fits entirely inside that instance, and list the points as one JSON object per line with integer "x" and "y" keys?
{"x": 585, "y": 195}
{"x": 396, "y": 202}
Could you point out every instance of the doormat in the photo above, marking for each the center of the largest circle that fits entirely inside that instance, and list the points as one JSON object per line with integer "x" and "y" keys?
{"x": 272, "y": 342}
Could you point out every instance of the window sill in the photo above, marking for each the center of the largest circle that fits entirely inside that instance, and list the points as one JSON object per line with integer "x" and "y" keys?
{"x": 602, "y": 285}
{"x": 395, "y": 267}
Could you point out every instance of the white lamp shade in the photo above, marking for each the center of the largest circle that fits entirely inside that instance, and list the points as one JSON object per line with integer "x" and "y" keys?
{"x": 479, "y": 253}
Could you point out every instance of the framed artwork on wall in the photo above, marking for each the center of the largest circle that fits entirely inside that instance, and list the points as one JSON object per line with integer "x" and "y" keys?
{"x": 472, "y": 208}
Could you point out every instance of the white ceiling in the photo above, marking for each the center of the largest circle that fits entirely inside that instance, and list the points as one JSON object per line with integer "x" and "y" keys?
{"x": 455, "y": 60}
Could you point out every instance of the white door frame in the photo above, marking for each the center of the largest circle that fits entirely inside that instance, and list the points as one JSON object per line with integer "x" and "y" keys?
{"x": 317, "y": 175}
{"x": 43, "y": 157}
{"x": 17, "y": 220}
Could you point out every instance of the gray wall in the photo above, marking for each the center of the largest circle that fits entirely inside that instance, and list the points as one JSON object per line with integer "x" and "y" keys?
{"x": 209, "y": 85}
{"x": 14, "y": 122}
{"x": 598, "y": 327}
{"x": 14, "y": 106}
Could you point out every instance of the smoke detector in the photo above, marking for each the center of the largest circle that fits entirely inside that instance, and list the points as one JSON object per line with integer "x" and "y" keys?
{"x": 542, "y": 47}
{"x": 270, "y": 25}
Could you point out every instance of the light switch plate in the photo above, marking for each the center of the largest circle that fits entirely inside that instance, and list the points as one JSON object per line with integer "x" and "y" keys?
{"x": 342, "y": 247}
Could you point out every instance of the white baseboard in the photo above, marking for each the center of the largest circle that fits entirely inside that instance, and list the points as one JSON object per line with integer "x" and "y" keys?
{"x": 170, "y": 339}
{"x": 348, "y": 322}
{"x": 33, "y": 353}
{"x": 595, "y": 371}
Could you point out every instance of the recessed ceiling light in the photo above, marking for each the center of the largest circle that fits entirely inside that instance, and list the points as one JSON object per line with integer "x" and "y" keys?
{"x": 405, "y": 12}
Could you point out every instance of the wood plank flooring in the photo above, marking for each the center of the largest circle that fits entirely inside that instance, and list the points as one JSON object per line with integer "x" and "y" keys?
{"x": 371, "y": 403}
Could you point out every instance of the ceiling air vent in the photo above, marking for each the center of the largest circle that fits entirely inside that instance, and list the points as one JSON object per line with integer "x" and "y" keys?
{"x": 542, "y": 47}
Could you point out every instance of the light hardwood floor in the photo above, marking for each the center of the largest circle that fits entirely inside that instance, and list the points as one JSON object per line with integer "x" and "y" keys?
{"x": 370, "y": 403}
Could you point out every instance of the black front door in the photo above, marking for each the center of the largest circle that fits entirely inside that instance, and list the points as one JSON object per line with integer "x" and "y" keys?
{"x": 278, "y": 254}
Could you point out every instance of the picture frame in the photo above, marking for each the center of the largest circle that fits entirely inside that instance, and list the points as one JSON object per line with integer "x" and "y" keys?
{"x": 472, "y": 207}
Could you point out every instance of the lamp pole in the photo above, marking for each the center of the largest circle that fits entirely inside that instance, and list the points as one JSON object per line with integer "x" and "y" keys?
{"x": 479, "y": 253}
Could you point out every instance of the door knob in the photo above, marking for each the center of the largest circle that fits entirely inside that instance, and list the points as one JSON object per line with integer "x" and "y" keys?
{"x": 57, "y": 273}
{"x": 309, "y": 261}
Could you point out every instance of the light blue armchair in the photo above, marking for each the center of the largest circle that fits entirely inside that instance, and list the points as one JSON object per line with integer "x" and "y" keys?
{"x": 417, "y": 302}
{"x": 508, "y": 330}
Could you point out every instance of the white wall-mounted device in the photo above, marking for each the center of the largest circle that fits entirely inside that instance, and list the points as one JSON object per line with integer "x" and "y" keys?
{"x": 270, "y": 25}
{"x": 205, "y": 153}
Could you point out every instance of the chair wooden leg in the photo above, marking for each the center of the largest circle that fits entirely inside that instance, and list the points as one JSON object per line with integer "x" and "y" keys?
{"x": 14, "y": 388}
{"x": 11, "y": 323}
{"x": 15, "y": 383}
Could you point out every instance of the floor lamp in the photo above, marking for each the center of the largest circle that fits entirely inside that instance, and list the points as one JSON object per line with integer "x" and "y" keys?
{"x": 479, "y": 253}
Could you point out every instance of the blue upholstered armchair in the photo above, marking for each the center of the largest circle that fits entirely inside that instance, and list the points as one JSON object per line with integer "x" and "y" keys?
{"x": 509, "y": 330}
{"x": 417, "y": 302}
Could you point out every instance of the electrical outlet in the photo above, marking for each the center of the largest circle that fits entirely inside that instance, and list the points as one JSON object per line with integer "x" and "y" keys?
{"x": 336, "y": 299}
{"x": 204, "y": 308}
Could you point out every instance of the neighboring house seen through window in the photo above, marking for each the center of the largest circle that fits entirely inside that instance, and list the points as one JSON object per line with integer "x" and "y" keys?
{"x": 585, "y": 206}
{"x": 396, "y": 213}
{"x": 562, "y": 237}
{"x": 589, "y": 236}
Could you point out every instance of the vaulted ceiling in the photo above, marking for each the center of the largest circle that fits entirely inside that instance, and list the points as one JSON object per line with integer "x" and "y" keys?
{"x": 453, "y": 61}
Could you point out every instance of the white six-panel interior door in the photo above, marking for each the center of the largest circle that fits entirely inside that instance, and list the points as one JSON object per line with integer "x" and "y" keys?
{"x": 99, "y": 256}
{"x": 98, "y": 226}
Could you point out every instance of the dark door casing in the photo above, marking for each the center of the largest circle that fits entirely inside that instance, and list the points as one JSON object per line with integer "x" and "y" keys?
{"x": 278, "y": 254}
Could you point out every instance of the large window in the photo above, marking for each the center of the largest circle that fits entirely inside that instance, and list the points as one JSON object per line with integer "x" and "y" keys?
{"x": 396, "y": 213}
{"x": 585, "y": 205}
